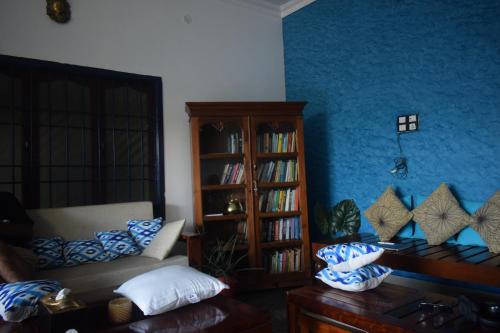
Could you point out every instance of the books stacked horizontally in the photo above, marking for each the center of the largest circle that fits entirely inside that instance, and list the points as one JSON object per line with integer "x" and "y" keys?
{"x": 282, "y": 229}
{"x": 277, "y": 142}
{"x": 233, "y": 174}
{"x": 277, "y": 171}
{"x": 234, "y": 143}
{"x": 282, "y": 261}
{"x": 279, "y": 201}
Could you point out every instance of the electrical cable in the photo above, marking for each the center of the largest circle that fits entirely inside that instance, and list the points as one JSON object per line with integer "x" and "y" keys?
{"x": 400, "y": 169}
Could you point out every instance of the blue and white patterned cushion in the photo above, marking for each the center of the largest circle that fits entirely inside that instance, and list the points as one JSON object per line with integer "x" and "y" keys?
{"x": 84, "y": 252}
{"x": 18, "y": 300}
{"x": 349, "y": 256}
{"x": 49, "y": 252}
{"x": 143, "y": 231}
{"x": 118, "y": 243}
{"x": 364, "y": 278}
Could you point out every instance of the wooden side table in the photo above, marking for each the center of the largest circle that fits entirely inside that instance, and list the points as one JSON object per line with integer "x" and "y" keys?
{"x": 387, "y": 308}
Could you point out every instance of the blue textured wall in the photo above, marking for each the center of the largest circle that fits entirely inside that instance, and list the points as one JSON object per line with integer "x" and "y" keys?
{"x": 361, "y": 63}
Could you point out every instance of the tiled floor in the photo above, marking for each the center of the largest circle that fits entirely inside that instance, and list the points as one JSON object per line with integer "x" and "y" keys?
{"x": 272, "y": 300}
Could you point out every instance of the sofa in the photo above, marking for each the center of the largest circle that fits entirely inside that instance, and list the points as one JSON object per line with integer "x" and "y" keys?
{"x": 96, "y": 281}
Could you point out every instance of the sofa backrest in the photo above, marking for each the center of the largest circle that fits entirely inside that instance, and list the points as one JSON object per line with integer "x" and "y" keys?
{"x": 81, "y": 222}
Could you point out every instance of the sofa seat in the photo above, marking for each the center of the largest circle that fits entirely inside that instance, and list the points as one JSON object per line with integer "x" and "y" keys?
{"x": 106, "y": 275}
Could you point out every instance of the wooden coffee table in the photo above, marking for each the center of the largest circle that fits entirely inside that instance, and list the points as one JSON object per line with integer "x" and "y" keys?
{"x": 387, "y": 308}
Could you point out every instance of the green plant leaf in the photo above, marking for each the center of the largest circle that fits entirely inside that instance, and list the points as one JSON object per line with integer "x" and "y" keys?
{"x": 346, "y": 218}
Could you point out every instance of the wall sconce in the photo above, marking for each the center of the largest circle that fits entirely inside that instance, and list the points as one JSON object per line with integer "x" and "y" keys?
{"x": 59, "y": 10}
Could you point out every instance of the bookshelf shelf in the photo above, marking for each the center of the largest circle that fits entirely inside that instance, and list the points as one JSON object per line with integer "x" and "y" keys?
{"x": 232, "y": 217}
{"x": 253, "y": 152}
{"x": 222, "y": 187}
{"x": 279, "y": 184}
{"x": 213, "y": 156}
{"x": 277, "y": 155}
{"x": 281, "y": 244}
{"x": 266, "y": 215}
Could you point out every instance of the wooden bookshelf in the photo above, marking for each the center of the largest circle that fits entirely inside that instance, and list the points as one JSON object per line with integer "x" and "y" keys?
{"x": 233, "y": 137}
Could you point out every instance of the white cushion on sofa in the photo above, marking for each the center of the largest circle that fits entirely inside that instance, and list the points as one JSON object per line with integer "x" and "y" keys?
{"x": 162, "y": 244}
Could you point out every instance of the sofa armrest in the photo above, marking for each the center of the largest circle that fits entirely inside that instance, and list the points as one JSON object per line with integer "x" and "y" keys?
{"x": 194, "y": 252}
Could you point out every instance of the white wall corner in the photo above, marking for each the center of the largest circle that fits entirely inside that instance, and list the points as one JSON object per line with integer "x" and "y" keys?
{"x": 258, "y": 5}
{"x": 293, "y": 6}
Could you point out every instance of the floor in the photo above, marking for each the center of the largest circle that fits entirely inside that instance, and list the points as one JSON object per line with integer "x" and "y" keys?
{"x": 272, "y": 300}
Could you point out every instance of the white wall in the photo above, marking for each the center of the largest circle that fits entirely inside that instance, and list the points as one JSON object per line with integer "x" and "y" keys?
{"x": 228, "y": 52}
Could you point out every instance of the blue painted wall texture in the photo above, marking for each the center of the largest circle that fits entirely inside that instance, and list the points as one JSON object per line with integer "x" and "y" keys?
{"x": 361, "y": 63}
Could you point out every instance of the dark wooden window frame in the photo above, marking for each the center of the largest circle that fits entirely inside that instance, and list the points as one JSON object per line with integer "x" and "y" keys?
{"x": 25, "y": 67}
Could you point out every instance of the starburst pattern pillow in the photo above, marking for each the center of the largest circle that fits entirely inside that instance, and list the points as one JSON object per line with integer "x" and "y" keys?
{"x": 486, "y": 221}
{"x": 388, "y": 215}
{"x": 440, "y": 216}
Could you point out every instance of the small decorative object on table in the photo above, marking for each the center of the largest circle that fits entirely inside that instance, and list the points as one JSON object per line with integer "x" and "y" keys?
{"x": 234, "y": 206}
{"x": 60, "y": 302}
{"x": 120, "y": 310}
{"x": 60, "y": 312}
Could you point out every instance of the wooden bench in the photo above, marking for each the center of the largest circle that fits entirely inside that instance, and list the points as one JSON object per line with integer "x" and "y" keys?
{"x": 473, "y": 264}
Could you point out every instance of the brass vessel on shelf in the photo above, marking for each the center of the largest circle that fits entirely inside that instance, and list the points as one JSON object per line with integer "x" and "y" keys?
{"x": 234, "y": 206}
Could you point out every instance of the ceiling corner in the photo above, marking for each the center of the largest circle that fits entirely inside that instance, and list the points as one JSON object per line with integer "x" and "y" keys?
{"x": 293, "y": 6}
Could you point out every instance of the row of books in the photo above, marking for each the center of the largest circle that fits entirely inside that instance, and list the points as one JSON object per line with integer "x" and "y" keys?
{"x": 233, "y": 174}
{"x": 283, "y": 261}
{"x": 277, "y": 171}
{"x": 279, "y": 201}
{"x": 277, "y": 142}
{"x": 282, "y": 229}
{"x": 234, "y": 143}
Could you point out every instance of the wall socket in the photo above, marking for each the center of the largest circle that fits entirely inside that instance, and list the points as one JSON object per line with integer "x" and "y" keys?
{"x": 407, "y": 123}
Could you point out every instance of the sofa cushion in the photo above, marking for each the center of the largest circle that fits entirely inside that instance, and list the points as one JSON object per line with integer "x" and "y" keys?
{"x": 84, "y": 252}
{"x": 164, "y": 241}
{"x": 49, "y": 252}
{"x": 118, "y": 243}
{"x": 143, "y": 231}
{"x": 440, "y": 216}
{"x": 388, "y": 215}
{"x": 363, "y": 278}
{"x": 87, "y": 278}
{"x": 486, "y": 221}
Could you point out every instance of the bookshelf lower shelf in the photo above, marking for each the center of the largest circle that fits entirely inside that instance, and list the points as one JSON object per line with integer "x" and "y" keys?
{"x": 265, "y": 215}
{"x": 233, "y": 217}
{"x": 281, "y": 244}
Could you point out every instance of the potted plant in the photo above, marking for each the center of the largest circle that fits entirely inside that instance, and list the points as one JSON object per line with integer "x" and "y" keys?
{"x": 221, "y": 261}
{"x": 343, "y": 218}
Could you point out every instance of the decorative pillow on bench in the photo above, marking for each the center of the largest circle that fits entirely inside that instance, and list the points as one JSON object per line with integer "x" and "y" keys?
{"x": 18, "y": 300}
{"x": 364, "y": 278}
{"x": 84, "y": 252}
{"x": 143, "y": 231}
{"x": 349, "y": 256}
{"x": 486, "y": 221}
{"x": 118, "y": 243}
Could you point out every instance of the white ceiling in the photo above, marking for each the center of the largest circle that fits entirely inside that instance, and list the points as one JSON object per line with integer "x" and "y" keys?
{"x": 282, "y": 8}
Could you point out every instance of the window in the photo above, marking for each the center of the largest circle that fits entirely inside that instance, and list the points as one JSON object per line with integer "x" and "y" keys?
{"x": 72, "y": 135}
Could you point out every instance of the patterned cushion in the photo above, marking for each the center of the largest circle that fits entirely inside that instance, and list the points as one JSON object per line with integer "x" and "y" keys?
{"x": 49, "y": 252}
{"x": 388, "y": 215}
{"x": 440, "y": 216}
{"x": 143, "y": 231}
{"x": 349, "y": 256}
{"x": 118, "y": 243}
{"x": 18, "y": 300}
{"x": 84, "y": 252}
{"x": 486, "y": 221}
{"x": 360, "y": 279}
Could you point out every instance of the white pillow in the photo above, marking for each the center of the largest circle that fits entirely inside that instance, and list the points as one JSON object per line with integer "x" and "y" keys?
{"x": 164, "y": 241}
{"x": 364, "y": 278}
{"x": 349, "y": 256}
{"x": 169, "y": 288}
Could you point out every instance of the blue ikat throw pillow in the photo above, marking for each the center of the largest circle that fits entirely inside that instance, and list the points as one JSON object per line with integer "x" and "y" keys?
{"x": 49, "y": 252}
{"x": 364, "y": 278}
{"x": 349, "y": 256}
{"x": 143, "y": 231}
{"x": 18, "y": 300}
{"x": 84, "y": 252}
{"x": 118, "y": 243}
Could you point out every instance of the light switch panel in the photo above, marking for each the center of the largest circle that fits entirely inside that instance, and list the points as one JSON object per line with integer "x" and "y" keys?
{"x": 407, "y": 123}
